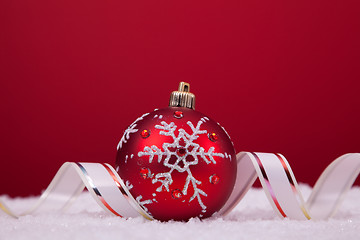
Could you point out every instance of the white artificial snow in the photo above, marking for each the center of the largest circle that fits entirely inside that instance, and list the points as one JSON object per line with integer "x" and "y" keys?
{"x": 253, "y": 218}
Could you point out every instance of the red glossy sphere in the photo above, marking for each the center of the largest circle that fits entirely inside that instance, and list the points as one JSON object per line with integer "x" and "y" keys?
{"x": 213, "y": 137}
{"x": 185, "y": 168}
{"x": 144, "y": 173}
{"x": 178, "y": 114}
{"x": 214, "y": 179}
{"x": 145, "y": 133}
{"x": 176, "y": 193}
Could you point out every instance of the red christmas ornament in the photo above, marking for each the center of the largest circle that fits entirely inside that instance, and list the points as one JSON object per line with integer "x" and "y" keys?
{"x": 176, "y": 162}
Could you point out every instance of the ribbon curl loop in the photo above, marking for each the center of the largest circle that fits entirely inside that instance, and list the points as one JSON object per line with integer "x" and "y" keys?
{"x": 272, "y": 169}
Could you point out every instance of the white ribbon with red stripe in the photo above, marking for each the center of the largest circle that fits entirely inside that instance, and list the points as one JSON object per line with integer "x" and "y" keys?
{"x": 273, "y": 171}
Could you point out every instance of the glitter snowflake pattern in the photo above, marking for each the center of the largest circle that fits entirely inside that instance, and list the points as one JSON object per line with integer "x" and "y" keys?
{"x": 183, "y": 161}
{"x": 128, "y": 185}
{"x": 129, "y": 130}
{"x": 143, "y": 203}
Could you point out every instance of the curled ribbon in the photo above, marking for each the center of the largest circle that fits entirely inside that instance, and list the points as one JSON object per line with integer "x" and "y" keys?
{"x": 272, "y": 169}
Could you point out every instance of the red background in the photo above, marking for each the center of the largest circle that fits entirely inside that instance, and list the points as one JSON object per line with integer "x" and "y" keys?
{"x": 280, "y": 76}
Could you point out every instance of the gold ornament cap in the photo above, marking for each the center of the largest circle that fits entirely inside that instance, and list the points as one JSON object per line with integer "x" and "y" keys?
{"x": 182, "y": 97}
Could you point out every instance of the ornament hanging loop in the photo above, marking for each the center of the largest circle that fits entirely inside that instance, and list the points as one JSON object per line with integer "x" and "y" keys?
{"x": 184, "y": 87}
{"x": 183, "y": 97}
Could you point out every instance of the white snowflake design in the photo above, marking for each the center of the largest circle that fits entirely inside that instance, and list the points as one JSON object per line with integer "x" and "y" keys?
{"x": 128, "y": 185}
{"x": 129, "y": 130}
{"x": 143, "y": 203}
{"x": 183, "y": 161}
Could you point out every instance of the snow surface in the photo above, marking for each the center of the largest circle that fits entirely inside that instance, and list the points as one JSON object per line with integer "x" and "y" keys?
{"x": 253, "y": 218}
